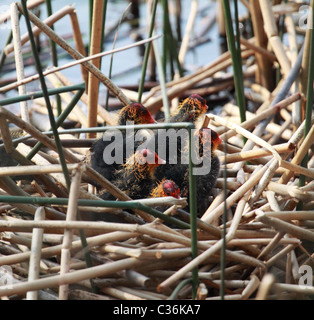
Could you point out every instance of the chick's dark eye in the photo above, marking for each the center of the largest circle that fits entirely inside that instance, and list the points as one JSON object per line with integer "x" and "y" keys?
{"x": 145, "y": 152}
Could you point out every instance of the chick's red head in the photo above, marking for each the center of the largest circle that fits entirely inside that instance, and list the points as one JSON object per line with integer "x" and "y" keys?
{"x": 171, "y": 189}
{"x": 152, "y": 159}
{"x": 137, "y": 113}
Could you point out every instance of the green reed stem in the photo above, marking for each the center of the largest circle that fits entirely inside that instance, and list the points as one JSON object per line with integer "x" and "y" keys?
{"x": 179, "y": 287}
{"x": 3, "y": 55}
{"x": 135, "y": 205}
{"x": 54, "y": 54}
{"x": 236, "y": 61}
{"x": 147, "y": 51}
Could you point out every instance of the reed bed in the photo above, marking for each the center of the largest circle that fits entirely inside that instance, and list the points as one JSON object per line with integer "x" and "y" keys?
{"x": 254, "y": 241}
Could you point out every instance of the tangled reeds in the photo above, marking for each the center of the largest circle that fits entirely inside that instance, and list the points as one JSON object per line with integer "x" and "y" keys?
{"x": 254, "y": 241}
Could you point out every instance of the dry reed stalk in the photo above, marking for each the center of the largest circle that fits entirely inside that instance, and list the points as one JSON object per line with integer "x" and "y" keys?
{"x": 256, "y": 118}
{"x": 273, "y": 38}
{"x": 270, "y": 195}
{"x": 281, "y": 287}
{"x": 291, "y": 191}
{"x": 79, "y": 44}
{"x": 147, "y": 254}
{"x": 204, "y": 256}
{"x": 305, "y": 146}
{"x": 202, "y": 292}
{"x": 35, "y": 257}
{"x": 256, "y": 153}
{"x": 264, "y": 72}
{"x": 259, "y": 241}
{"x": 68, "y": 233}
{"x": 16, "y": 238}
{"x": 246, "y": 134}
{"x": 137, "y": 278}
{"x": 119, "y": 294}
{"x": 19, "y": 59}
{"x": 75, "y": 276}
{"x": 260, "y": 50}
{"x": 211, "y": 215}
{"x": 76, "y": 245}
{"x": 144, "y": 294}
{"x": 297, "y": 169}
{"x": 230, "y": 185}
{"x": 93, "y": 82}
{"x": 105, "y": 226}
{"x": 291, "y": 215}
{"x": 34, "y": 170}
{"x": 264, "y": 180}
{"x": 188, "y": 31}
{"x": 76, "y": 55}
{"x": 265, "y": 286}
{"x": 280, "y": 254}
{"x": 275, "y": 137}
{"x": 246, "y": 293}
{"x": 283, "y": 226}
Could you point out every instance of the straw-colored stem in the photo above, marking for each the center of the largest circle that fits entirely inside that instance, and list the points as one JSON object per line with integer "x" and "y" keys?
{"x": 246, "y": 134}
{"x": 72, "y": 277}
{"x": 19, "y": 58}
{"x": 93, "y": 82}
{"x": 273, "y": 38}
{"x": 188, "y": 31}
{"x": 286, "y": 227}
{"x": 265, "y": 286}
{"x": 211, "y": 215}
{"x": 68, "y": 233}
{"x": 35, "y": 256}
{"x": 299, "y": 155}
{"x": 256, "y": 153}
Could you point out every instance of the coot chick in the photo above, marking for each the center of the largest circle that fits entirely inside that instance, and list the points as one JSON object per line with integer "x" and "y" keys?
{"x": 134, "y": 112}
{"x": 136, "y": 177}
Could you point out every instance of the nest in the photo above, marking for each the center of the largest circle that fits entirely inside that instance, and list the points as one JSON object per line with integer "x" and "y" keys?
{"x": 255, "y": 240}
